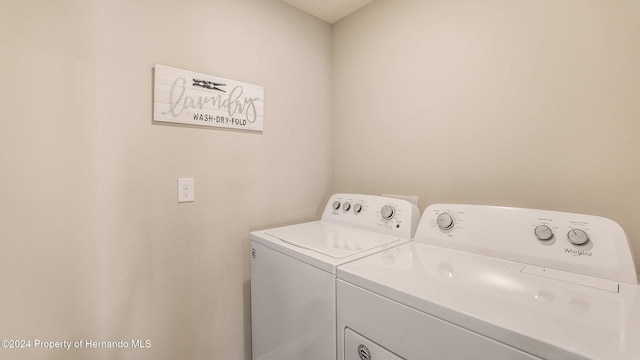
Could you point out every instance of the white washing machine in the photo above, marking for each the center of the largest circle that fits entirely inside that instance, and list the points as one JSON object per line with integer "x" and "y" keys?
{"x": 481, "y": 282}
{"x": 293, "y": 272}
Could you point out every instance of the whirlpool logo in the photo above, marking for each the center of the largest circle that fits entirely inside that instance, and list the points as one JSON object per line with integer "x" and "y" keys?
{"x": 575, "y": 252}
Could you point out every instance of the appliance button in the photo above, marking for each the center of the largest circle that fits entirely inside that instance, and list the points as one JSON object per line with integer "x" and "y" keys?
{"x": 357, "y": 208}
{"x": 577, "y": 236}
{"x": 445, "y": 221}
{"x": 543, "y": 232}
{"x": 387, "y": 212}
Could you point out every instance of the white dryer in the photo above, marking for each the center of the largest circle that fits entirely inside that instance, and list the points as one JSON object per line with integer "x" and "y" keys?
{"x": 293, "y": 272}
{"x": 481, "y": 282}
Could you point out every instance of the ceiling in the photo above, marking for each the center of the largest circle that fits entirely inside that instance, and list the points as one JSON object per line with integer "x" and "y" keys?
{"x": 329, "y": 10}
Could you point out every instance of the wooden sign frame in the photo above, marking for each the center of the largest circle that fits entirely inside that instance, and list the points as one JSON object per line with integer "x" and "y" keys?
{"x": 187, "y": 97}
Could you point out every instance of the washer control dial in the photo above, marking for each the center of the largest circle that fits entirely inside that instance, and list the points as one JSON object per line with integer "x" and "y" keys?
{"x": 346, "y": 206}
{"x": 445, "y": 221}
{"x": 387, "y": 212}
{"x": 357, "y": 208}
{"x": 577, "y": 236}
{"x": 336, "y": 205}
{"x": 543, "y": 232}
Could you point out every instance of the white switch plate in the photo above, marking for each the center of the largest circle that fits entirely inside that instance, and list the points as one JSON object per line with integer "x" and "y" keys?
{"x": 186, "y": 190}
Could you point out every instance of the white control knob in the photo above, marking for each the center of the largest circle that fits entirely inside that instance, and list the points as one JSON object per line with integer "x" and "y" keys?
{"x": 336, "y": 205}
{"x": 577, "y": 236}
{"x": 387, "y": 212}
{"x": 357, "y": 208}
{"x": 543, "y": 232}
{"x": 346, "y": 206}
{"x": 445, "y": 221}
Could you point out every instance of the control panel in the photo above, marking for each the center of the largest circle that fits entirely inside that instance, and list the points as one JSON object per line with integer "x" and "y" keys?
{"x": 582, "y": 244}
{"x": 376, "y": 213}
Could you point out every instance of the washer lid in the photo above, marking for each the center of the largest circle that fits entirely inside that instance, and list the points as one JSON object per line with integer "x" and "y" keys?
{"x": 545, "y": 312}
{"x": 336, "y": 241}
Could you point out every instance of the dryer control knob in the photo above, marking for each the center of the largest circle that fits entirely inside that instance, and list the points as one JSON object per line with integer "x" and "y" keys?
{"x": 336, "y": 205}
{"x": 346, "y": 206}
{"x": 445, "y": 221}
{"x": 387, "y": 212}
{"x": 577, "y": 236}
{"x": 543, "y": 232}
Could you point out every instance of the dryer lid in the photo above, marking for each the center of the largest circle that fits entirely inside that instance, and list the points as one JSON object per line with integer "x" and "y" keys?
{"x": 336, "y": 241}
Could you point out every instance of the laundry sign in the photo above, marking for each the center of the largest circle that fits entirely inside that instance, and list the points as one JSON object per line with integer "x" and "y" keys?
{"x": 187, "y": 97}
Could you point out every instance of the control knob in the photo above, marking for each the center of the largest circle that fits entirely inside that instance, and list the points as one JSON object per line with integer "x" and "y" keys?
{"x": 577, "y": 236}
{"x": 336, "y": 205}
{"x": 387, "y": 212}
{"x": 346, "y": 206}
{"x": 357, "y": 208}
{"x": 445, "y": 221}
{"x": 543, "y": 232}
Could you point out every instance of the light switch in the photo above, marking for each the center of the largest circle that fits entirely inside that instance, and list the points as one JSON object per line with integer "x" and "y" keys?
{"x": 186, "y": 190}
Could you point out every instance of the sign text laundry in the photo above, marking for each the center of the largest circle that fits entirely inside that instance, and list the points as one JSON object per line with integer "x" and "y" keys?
{"x": 187, "y": 97}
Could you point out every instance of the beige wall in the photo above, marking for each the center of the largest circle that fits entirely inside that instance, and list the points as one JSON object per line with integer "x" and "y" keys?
{"x": 93, "y": 244}
{"x": 509, "y": 102}
{"x": 518, "y": 103}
